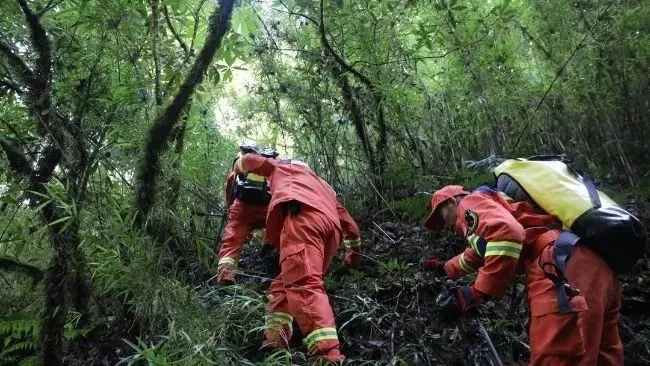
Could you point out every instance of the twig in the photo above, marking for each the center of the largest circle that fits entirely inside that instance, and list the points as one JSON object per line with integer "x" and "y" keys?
{"x": 275, "y": 44}
{"x": 174, "y": 32}
{"x": 382, "y": 198}
{"x": 196, "y": 14}
{"x": 385, "y": 233}
{"x": 50, "y": 5}
{"x": 487, "y": 339}
{"x": 408, "y": 59}
{"x": 9, "y": 223}
{"x": 6, "y": 281}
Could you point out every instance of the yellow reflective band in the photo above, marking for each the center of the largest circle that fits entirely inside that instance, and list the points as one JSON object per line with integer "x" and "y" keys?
{"x": 255, "y": 177}
{"x": 320, "y": 335}
{"x": 507, "y": 248}
{"x": 352, "y": 243}
{"x": 473, "y": 242}
{"x": 226, "y": 260}
{"x": 281, "y": 318}
{"x": 463, "y": 264}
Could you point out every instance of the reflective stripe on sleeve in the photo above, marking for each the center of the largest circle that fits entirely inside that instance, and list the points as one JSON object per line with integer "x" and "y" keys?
{"x": 507, "y": 248}
{"x": 473, "y": 242}
{"x": 463, "y": 264}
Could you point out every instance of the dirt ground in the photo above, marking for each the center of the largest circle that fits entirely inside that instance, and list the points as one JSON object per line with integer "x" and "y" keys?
{"x": 385, "y": 308}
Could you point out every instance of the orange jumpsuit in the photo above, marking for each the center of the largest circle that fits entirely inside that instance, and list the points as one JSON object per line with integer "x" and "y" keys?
{"x": 242, "y": 219}
{"x": 308, "y": 240}
{"x": 506, "y": 238}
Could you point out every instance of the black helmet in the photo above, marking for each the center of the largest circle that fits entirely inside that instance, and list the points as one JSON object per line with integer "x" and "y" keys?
{"x": 251, "y": 149}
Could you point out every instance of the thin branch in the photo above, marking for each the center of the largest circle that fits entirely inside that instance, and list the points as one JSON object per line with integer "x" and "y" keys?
{"x": 10, "y": 86}
{"x": 160, "y": 132}
{"x": 50, "y": 5}
{"x": 38, "y": 35}
{"x": 9, "y": 264}
{"x": 275, "y": 44}
{"x": 557, "y": 76}
{"x": 338, "y": 58}
{"x": 155, "y": 17}
{"x": 17, "y": 63}
{"x": 291, "y": 12}
{"x": 17, "y": 159}
{"x": 196, "y": 14}
{"x": 178, "y": 38}
{"x": 409, "y": 59}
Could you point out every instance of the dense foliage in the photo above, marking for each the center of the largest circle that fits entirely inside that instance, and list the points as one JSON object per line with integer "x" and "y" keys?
{"x": 119, "y": 120}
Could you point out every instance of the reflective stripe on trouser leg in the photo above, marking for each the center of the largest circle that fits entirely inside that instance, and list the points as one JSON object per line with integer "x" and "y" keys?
{"x": 352, "y": 243}
{"x": 318, "y": 335}
{"x": 307, "y": 245}
{"x": 279, "y": 329}
{"x": 227, "y": 260}
{"x": 279, "y": 323}
{"x": 278, "y": 319}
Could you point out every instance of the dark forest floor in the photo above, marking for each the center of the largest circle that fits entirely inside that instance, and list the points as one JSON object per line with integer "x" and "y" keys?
{"x": 385, "y": 308}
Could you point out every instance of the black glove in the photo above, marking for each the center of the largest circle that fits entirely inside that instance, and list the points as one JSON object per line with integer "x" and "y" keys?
{"x": 458, "y": 300}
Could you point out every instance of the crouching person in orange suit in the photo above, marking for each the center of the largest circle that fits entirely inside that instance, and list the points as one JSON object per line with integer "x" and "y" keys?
{"x": 242, "y": 219}
{"x": 307, "y": 223}
{"x": 573, "y": 321}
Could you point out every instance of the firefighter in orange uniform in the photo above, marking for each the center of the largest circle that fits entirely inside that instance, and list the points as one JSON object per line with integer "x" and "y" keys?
{"x": 307, "y": 223}
{"x": 574, "y": 321}
{"x": 243, "y": 217}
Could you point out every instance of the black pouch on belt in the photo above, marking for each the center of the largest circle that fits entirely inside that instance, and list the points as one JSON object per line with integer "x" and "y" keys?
{"x": 292, "y": 207}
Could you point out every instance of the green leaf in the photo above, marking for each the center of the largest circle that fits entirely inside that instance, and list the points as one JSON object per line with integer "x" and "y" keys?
{"x": 227, "y": 75}
{"x": 229, "y": 57}
{"x": 66, "y": 218}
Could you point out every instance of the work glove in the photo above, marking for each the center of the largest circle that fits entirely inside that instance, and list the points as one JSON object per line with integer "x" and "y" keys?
{"x": 226, "y": 274}
{"x": 270, "y": 257}
{"x": 459, "y": 300}
{"x": 435, "y": 265}
{"x": 352, "y": 257}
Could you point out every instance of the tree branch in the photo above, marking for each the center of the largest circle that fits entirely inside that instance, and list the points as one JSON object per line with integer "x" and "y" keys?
{"x": 43, "y": 70}
{"x": 10, "y": 86}
{"x": 382, "y": 140}
{"x": 337, "y": 58}
{"x": 161, "y": 131}
{"x": 9, "y": 264}
{"x": 291, "y": 12}
{"x": 409, "y": 59}
{"x": 50, "y": 5}
{"x": 557, "y": 76}
{"x": 17, "y": 64}
{"x": 17, "y": 159}
{"x": 155, "y": 17}
{"x": 196, "y": 14}
{"x": 49, "y": 158}
{"x": 173, "y": 30}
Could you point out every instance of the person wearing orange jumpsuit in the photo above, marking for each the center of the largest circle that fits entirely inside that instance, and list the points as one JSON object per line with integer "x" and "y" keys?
{"x": 307, "y": 223}
{"x": 242, "y": 219}
{"x": 507, "y": 237}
